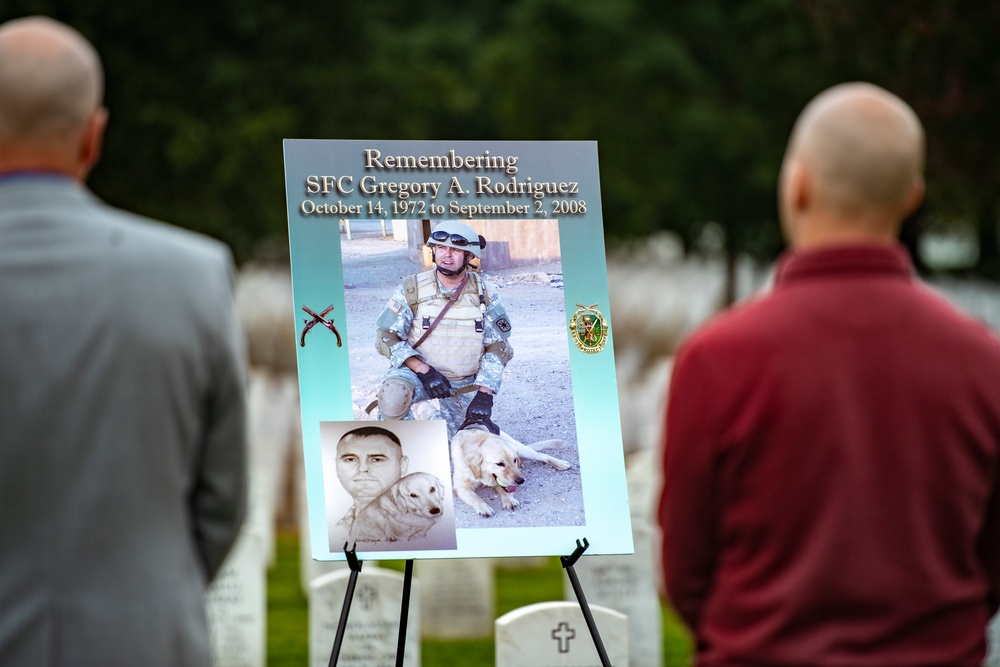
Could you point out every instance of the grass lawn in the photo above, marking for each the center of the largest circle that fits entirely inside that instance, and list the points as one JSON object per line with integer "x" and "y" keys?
{"x": 288, "y": 614}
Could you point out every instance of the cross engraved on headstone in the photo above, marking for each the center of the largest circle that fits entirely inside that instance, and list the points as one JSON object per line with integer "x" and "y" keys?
{"x": 367, "y": 596}
{"x": 562, "y": 634}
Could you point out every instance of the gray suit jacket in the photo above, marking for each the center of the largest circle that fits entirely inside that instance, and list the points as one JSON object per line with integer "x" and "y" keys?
{"x": 122, "y": 431}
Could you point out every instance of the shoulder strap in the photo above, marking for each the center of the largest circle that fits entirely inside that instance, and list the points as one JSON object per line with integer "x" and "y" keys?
{"x": 410, "y": 290}
{"x": 480, "y": 286}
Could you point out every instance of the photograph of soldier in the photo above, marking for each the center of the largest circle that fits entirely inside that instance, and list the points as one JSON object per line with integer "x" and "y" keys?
{"x": 465, "y": 321}
{"x": 387, "y": 487}
{"x": 461, "y": 329}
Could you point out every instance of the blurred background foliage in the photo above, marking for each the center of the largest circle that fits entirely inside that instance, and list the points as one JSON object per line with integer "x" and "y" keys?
{"x": 690, "y": 103}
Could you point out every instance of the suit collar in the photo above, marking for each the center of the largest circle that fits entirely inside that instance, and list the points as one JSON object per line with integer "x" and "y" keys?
{"x": 35, "y": 175}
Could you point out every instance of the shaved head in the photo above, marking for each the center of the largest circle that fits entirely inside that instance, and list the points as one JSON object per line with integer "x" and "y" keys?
{"x": 854, "y": 163}
{"x": 51, "y": 86}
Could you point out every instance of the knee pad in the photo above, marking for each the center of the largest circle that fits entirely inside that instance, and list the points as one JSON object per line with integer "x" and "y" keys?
{"x": 394, "y": 398}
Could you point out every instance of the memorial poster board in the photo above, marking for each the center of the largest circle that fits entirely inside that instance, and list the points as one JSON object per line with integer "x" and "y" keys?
{"x": 360, "y": 215}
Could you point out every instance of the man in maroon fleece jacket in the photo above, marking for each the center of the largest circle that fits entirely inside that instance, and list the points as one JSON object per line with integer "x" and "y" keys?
{"x": 831, "y": 451}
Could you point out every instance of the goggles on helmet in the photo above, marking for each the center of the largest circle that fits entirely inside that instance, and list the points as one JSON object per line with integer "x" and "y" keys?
{"x": 456, "y": 239}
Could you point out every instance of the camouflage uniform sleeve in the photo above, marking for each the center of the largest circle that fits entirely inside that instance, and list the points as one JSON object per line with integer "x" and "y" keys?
{"x": 397, "y": 318}
{"x": 496, "y": 330}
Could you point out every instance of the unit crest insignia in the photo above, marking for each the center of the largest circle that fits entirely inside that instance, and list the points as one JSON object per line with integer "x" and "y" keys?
{"x": 589, "y": 329}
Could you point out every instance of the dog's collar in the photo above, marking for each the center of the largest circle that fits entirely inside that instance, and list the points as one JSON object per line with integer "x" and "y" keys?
{"x": 487, "y": 425}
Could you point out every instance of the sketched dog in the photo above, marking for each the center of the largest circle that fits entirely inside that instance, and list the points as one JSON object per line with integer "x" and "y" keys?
{"x": 406, "y": 510}
{"x": 481, "y": 459}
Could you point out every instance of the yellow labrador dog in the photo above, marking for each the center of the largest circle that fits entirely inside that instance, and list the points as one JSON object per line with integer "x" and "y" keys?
{"x": 482, "y": 459}
{"x": 404, "y": 511}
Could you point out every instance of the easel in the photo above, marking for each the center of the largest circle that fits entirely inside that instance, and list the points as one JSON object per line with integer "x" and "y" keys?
{"x": 567, "y": 563}
{"x": 355, "y": 565}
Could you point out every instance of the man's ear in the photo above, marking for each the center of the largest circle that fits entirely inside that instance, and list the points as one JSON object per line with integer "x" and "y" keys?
{"x": 800, "y": 187}
{"x": 403, "y": 462}
{"x": 795, "y": 196}
{"x": 92, "y": 141}
{"x": 915, "y": 196}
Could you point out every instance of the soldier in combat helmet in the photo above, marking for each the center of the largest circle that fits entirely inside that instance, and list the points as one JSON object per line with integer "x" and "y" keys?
{"x": 445, "y": 334}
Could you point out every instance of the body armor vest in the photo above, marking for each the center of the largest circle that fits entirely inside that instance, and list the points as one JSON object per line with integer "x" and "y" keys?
{"x": 455, "y": 346}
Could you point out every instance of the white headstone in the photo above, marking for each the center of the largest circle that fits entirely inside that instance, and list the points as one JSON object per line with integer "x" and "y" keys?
{"x": 236, "y": 605}
{"x": 643, "y": 475}
{"x": 555, "y": 634}
{"x": 457, "y": 598}
{"x": 522, "y": 563}
{"x": 627, "y": 584}
{"x": 372, "y": 630}
{"x": 993, "y": 642}
{"x": 273, "y": 428}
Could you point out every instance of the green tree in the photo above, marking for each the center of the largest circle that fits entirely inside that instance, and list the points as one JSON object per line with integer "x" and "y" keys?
{"x": 691, "y": 104}
{"x": 201, "y": 97}
{"x": 943, "y": 57}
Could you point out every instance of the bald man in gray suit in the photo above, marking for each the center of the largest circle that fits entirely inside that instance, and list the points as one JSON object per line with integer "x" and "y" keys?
{"x": 122, "y": 418}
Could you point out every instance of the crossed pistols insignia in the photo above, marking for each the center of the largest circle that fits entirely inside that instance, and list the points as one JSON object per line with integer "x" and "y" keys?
{"x": 589, "y": 329}
{"x": 319, "y": 319}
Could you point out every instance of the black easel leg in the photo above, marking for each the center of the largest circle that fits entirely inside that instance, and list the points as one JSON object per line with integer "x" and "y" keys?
{"x": 567, "y": 563}
{"x": 404, "y": 613}
{"x": 355, "y": 565}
